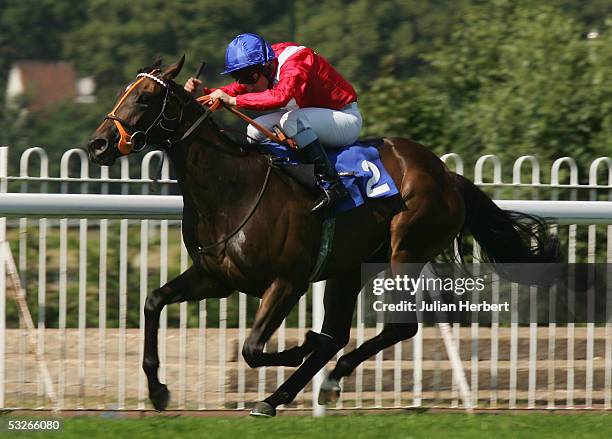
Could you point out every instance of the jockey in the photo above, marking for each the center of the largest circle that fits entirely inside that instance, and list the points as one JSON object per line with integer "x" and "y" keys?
{"x": 315, "y": 104}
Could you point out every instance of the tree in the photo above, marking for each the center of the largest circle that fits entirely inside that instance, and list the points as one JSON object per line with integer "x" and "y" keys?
{"x": 119, "y": 38}
{"x": 514, "y": 79}
{"x": 34, "y": 29}
{"x": 367, "y": 39}
{"x": 406, "y": 108}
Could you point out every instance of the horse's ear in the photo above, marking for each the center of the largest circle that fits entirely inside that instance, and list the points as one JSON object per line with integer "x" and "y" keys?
{"x": 155, "y": 66}
{"x": 157, "y": 63}
{"x": 173, "y": 70}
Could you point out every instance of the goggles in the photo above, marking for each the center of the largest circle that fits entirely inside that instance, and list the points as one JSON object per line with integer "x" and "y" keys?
{"x": 246, "y": 78}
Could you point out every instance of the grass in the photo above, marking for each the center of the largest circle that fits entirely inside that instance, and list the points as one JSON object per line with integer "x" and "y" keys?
{"x": 357, "y": 426}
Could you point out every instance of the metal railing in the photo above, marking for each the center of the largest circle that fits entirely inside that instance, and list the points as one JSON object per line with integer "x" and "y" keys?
{"x": 94, "y": 352}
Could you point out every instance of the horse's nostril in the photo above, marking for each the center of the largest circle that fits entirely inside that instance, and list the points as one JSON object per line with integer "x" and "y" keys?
{"x": 98, "y": 145}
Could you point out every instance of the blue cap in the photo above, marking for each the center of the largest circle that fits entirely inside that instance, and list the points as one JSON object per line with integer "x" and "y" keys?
{"x": 247, "y": 50}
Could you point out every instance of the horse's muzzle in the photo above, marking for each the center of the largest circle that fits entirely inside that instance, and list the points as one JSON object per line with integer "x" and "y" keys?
{"x": 100, "y": 151}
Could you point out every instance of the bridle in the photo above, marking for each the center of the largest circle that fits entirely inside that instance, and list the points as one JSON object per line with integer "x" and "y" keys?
{"x": 138, "y": 140}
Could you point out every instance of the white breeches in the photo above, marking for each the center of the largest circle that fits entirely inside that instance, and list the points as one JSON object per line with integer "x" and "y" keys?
{"x": 334, "y": 128}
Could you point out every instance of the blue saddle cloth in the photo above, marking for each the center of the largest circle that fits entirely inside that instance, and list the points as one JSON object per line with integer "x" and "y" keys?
{"x": 367, "y": 177}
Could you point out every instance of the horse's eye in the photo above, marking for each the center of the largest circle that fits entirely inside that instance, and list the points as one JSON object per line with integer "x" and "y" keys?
{"x": 144, "y": 98}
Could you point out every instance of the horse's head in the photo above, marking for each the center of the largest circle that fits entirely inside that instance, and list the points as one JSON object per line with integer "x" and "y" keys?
{"x": 148, "y": 111}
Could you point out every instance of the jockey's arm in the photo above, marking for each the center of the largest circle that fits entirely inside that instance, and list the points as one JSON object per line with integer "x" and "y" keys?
{"x": 293, "y": 80}
{"x": 270, "y": 99}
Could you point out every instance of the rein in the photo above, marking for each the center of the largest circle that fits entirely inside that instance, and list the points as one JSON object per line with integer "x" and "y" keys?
{"x": 203, "y": 249}
{"x": 130, "y": 143}
{"x": 278, "y": 137}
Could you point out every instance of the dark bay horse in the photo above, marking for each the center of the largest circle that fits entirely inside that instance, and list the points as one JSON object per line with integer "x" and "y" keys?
{"x": 248, "y": 228}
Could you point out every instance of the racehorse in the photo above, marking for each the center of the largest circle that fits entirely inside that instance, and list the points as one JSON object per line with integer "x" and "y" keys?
{"x": 247, "y": 227}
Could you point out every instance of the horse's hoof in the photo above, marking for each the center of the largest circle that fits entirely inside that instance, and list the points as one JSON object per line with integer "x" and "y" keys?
{"x": 329, "y": 391}
{"x": 264, "y": 410}
{"x": 160, "y": 398}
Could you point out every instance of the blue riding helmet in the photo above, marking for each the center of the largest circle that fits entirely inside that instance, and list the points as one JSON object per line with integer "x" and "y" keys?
{"x": 247, "y": 50}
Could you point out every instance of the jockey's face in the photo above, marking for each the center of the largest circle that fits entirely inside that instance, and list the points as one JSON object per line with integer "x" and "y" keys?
{"x": 260, "y": 85}
{"x": 253, "y": 79}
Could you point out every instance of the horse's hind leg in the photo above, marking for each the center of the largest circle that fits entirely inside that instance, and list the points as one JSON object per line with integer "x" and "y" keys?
{"x": 416, "y": 238}
{"x": 339, "y": 302}
{"x": 190, "y": 285}
{"x": 391, "y": 333}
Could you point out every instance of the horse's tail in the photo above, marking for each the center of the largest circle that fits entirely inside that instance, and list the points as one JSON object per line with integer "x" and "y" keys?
{"x": 504, "y": 236}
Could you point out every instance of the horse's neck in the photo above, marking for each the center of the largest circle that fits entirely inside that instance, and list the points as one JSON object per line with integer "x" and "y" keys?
{"x": 216, "y": 176}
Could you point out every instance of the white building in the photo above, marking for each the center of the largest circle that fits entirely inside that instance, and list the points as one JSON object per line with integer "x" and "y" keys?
{"x": 43, "y": 83}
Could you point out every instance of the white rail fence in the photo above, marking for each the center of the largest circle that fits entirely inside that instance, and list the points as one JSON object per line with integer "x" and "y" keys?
{"x": 86, "y": 263}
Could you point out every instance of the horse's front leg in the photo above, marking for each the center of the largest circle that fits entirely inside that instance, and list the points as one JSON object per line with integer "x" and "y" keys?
{"x": 189, "y": 286}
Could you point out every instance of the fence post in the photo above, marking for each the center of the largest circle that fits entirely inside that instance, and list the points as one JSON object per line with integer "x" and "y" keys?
{"x": 592, "y": 239}
{"x": 475, "y": 326}
{"x": 318, "y": 290}
{"x": 533, "y": 291}
{"x": 3, "y": 188}
{"x": 571, "y": 259}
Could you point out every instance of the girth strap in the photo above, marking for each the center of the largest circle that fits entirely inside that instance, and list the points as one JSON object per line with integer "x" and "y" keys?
{"x": 328, "y": 230}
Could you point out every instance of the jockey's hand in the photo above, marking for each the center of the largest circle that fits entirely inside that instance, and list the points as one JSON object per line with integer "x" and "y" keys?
{"x": 193, "y": 86}
{"x": 224, "y": 97}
